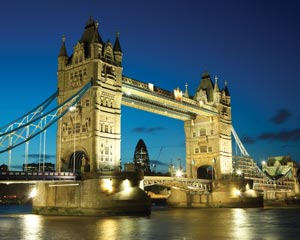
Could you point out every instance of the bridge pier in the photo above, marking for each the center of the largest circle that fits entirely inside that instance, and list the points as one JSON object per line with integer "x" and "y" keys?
{"x": 225, "y": 193}
{"x": 104, "y": 194}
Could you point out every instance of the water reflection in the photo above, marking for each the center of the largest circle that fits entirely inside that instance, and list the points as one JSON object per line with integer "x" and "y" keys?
{"x": 241, "y": 226}
{"x": 31, "y": 226}
{"x": 123, "y": 228}
{"x": 175, "y": 224}
{"x": 106, "y": 228}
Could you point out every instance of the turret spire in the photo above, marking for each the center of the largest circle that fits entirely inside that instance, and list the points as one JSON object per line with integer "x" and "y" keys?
{"x": 63, "y": 49}
{"x": 186, "y": 93}
{"x": 117, "y": 45}
{"x": 216, "y": 87}
{"x": 226, "y": 89}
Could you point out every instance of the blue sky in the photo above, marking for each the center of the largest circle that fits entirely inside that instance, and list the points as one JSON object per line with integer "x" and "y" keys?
{"x": 254, "y": 45}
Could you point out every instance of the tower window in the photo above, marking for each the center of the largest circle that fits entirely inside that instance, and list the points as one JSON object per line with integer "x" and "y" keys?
{"x": 203, "y": 132}
{"x": 203, "y": 149}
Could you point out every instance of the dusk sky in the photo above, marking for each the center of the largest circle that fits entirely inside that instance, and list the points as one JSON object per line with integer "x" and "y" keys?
{"x": 253, "y": 45}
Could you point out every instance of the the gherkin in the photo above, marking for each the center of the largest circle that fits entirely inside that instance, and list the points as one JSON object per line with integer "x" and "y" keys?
{"x": 141, "y": 157}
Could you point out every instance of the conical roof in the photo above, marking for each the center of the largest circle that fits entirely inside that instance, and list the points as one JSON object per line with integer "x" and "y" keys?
{"x": 206, "y": 84}
{"x": 90, "y": 35}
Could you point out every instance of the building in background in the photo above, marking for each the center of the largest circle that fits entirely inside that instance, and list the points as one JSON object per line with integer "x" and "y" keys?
{"x": 141, "y": 157}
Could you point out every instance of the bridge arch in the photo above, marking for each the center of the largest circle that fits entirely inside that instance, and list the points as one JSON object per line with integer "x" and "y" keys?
{"x": 81, "y": 161}
{"x": 206, "y": 172}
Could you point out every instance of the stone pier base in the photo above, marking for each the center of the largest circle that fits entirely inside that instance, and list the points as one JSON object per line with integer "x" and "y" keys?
{"x": 109, "y": 194}
{"x": 225, "y": 193}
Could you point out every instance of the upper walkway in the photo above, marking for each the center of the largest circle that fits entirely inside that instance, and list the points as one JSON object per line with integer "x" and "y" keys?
{"x": 146, "y": 96}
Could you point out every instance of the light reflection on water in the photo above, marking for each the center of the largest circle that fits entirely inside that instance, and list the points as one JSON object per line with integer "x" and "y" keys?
{"x": 181, "y": 224}
{"x": 31, "y": 226}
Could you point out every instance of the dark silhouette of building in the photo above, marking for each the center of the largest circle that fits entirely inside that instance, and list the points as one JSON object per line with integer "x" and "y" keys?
{"x": 39, "y": 167}
{"x": 3, "y": 168}
{"x": 141, "y": 157}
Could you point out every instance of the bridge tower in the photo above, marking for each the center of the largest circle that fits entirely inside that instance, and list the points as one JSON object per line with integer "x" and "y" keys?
{"x": 88, "y": 136}
{"x": 208, "y": 137}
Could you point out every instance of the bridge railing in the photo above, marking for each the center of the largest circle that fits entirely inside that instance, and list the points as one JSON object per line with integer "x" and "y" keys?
{"x": 18, "y": 175}
{"x": 188, "y": 184}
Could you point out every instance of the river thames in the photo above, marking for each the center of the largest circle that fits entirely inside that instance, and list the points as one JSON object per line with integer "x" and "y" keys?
{"x": 17, "y": 222}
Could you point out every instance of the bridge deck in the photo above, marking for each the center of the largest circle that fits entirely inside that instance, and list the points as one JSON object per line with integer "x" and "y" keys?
{"x": 17, "y": 176}
{"x": 185, "y": 184}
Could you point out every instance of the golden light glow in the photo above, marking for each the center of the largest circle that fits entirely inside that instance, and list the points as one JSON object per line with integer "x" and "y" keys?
{"x": 178, "y": 173}
{"x": 32, "y": 193}
{"x": 72, "y": 108}
{"x": 107, "y": 185}
{"x": 237, "y": 192}
{"x": 126, "y": 185}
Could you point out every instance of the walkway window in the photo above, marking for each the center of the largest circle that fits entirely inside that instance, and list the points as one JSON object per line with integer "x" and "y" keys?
{"x": 196, "y": 150}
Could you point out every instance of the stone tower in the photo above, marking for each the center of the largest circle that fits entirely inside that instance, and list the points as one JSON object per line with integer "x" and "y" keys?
{"x": 208, "y": 137}
{"x": 88, "y": 138}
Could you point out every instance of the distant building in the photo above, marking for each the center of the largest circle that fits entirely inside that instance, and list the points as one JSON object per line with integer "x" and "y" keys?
{"x": 3, "y": 168}
{"x": 141, "y": 157}
{"x": 279, "y": 166}
{"x": 129, "y": 167}
{"x": 39, "y": 167}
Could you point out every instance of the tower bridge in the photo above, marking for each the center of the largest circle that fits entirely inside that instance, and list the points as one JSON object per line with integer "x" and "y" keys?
{"x": 91, "y": 91}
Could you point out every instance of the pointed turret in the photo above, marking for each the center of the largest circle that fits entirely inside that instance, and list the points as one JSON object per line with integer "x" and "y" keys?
{"x": 117, "y": 50}
{"x": 205, "y": 87}
{"x": 90, "y": 37}
{"x": 63, "y": 49}
{"x": 216, "y": 87}
{"x": 186, "y": 93}
{"x": 226, "y": 89}
{"x": 63, "y": 55}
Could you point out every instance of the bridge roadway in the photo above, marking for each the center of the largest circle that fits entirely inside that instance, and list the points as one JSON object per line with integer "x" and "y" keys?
{"x": 33, "y": 177}
{"x": 185, "y": 184}
{"x": 197, "y": 186}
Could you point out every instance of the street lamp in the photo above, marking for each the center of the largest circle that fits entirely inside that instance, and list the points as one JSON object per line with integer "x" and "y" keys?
{"x": 73, "y": 110}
